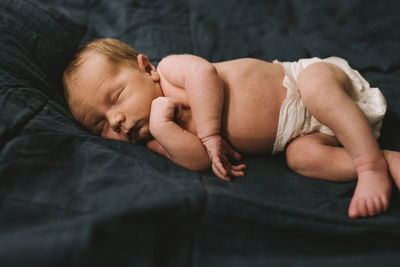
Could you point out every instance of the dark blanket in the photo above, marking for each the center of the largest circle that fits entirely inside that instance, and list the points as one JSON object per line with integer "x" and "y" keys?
{"x": 69, "y": 198}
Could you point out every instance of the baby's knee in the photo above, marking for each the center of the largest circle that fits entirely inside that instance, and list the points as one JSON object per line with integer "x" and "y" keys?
{"x": 323, "y": 75}
{"x": 302, "y": 157}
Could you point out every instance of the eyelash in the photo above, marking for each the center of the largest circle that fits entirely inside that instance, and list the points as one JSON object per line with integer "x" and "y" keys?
{"x": 116, "y": 97}
{"x": 100, "y": 127}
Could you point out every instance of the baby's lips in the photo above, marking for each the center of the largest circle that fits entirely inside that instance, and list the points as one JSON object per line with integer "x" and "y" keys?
{"x": 132, "y": 134}
{"x": 140, "y": 133}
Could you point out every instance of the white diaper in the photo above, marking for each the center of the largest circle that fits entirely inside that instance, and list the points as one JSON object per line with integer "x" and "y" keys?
{"x": 295, "y": 120}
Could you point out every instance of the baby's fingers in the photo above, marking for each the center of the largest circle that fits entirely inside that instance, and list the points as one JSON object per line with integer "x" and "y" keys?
{"x": 234, "y": 154}
{"x": 238, "y": 167}
{"x": 220, "y": 170}
{"x": 220, "y": 174}
{"x": 236, "y": 173}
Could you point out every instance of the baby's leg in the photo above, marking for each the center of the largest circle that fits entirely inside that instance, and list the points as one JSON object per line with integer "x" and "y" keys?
{"x": 325, "y": 90}
{"x": 320, "y": 156}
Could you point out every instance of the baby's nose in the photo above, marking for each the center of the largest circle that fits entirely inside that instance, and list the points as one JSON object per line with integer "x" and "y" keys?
{"x": 116, "y": 121}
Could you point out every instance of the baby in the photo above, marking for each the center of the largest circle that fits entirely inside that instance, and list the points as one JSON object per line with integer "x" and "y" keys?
{"x": 200, "y": 114}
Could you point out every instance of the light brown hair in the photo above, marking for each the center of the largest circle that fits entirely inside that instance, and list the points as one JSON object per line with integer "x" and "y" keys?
{"x": 113, "y": 49}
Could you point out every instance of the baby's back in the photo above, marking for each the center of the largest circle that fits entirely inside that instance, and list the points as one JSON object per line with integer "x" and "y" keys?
{"x": 253, "y": 97}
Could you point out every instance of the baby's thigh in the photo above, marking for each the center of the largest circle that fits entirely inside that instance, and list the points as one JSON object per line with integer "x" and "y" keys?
{"x": 321, "y": 75}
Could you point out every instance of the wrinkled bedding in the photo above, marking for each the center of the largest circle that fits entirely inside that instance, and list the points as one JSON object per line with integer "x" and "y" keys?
{"x": 69, "y": 198}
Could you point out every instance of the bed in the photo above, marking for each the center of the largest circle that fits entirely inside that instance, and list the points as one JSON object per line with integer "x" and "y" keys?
{"x": 69, "y": 198}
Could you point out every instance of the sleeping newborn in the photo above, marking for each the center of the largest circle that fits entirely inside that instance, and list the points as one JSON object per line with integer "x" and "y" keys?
{"x": 198, "y": 114}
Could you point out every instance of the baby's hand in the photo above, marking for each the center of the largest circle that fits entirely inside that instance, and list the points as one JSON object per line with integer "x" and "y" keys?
{"x": 165, "y": 109}
{"x": 219, "y": 152}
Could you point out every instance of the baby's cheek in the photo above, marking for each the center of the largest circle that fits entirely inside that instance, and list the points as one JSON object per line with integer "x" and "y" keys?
{"x": 109, "y": 133}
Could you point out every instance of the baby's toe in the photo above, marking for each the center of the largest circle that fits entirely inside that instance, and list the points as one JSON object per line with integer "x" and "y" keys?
{"x": 352, "y": 213}
{"x": 378, "y": 205}
{"x": 353, "y": 209}
{"x": 371, "y": 207}
{"x": 385, "y": 202}
{"x": 362, "y": 207}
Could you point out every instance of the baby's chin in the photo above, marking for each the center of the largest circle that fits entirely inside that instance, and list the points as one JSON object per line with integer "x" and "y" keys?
{"x": 145, "y": 140}
{"x": 145, "y": 136}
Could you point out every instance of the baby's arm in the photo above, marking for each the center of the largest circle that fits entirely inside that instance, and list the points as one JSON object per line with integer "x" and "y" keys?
{"x": 203, "y": 87}
{"x": 206, "y": 95}
{"x": 173, "y": 142}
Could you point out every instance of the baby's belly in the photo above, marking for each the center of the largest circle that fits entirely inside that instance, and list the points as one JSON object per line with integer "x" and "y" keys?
{"x": 253, "y": 98}
{"x": 250, "y": 123}
{"x": 252, "y": 137}
{"x": 247, "y": 135}
{"x": 251, "y": 109}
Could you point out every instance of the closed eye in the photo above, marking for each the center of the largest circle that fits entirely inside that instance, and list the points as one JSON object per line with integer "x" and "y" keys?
{"x": 99, "y": 127}
{"x": 116, "y": 96}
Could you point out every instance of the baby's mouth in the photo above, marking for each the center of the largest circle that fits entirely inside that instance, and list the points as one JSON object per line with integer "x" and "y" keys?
{"x": 130, "y": 135}
{"x": 138, "y": 133}
{"x": 133, "y": 134}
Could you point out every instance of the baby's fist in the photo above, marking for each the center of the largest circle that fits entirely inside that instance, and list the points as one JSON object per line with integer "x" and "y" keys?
{"x": 165, "y": 109}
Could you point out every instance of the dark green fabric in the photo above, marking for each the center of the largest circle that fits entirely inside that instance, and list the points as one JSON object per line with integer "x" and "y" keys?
{"x": 68, "y": 198}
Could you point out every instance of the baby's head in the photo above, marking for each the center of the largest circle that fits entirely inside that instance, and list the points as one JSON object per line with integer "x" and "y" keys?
{"x": 109, "y": 88}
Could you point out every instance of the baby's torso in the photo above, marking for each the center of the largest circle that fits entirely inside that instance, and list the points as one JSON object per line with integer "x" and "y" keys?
{"x": 253, "y": 97}
{"x": 252, "y": 100}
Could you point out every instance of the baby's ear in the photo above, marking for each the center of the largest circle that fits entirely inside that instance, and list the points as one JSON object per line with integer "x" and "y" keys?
{"x": 144, "y": 64}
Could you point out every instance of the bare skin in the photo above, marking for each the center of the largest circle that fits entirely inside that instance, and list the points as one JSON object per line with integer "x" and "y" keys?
{"x": 204, "y": 114}
{"x": 330, "y": 106}
{"x": 318, "y": 84}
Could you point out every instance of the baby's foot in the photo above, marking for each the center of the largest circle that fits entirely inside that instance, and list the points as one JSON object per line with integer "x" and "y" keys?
{"x": 393, "y": 160}
{"x": 372, "y": 194}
